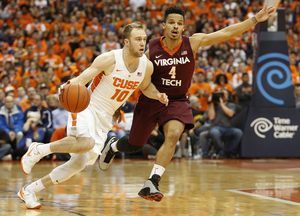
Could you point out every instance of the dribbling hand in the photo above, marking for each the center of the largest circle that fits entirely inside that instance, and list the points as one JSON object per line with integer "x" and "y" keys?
{"x": 61, "y": 88}
{"x": 163, "y": 98}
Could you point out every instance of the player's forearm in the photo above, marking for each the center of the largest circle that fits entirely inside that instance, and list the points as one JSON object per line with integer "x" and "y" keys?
{"x": 239, "y": 28}
{"x": 151, "y": 92}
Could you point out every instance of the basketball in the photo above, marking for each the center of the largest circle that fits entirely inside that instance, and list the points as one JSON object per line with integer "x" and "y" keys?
{"x": 75, "y": 97}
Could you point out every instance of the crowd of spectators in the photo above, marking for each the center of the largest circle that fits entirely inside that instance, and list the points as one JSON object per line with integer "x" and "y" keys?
{"x": 43, "y": 43}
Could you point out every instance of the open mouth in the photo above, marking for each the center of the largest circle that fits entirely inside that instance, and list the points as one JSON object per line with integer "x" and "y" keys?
{"x": 174, "y": 33}
{"x": 142, "y": 50}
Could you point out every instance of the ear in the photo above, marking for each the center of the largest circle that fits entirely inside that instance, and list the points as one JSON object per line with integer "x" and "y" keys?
{"x": 163, "y": 25}
{"x": 126, "y": 42}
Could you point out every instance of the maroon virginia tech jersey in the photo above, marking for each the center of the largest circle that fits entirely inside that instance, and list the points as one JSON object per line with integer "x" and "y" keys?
{"x": 173, "y": 70}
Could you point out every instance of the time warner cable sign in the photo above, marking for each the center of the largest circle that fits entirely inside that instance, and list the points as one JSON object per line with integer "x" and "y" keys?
{"x": 282, "y": 127}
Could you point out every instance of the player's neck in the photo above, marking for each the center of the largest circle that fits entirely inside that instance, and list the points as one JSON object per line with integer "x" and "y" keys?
{"x": 131, "y": 62}
{"x": 171, "y": 44}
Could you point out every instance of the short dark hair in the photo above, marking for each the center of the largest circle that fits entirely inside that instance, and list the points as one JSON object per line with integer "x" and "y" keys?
{"x": 244, "y": 74}
{"x": 219, "y": 77}
{"x": 174, "y": 10}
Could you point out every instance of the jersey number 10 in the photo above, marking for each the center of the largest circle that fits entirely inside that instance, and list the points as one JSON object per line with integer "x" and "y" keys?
{"x": 120, "y": 95}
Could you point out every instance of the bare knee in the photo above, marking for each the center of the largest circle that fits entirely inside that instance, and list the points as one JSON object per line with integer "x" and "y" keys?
{"x": 172, "y": 137}
{"x": 85, "y": 144}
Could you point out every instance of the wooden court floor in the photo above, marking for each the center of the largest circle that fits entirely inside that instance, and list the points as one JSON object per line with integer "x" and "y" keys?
{"x": 191, "y": 187}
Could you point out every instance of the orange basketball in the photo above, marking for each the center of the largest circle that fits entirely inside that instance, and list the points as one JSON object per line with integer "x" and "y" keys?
{"x": 75, "y": 97}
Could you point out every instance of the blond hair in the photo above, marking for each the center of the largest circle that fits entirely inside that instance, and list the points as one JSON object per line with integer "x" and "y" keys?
{"x": 128, "y": 28}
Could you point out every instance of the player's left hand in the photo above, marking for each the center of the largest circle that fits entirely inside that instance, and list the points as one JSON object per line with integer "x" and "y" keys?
{"x": 265, "y": 13}
{"x": 117, "y": 117}
{"x": 163, "y": 98}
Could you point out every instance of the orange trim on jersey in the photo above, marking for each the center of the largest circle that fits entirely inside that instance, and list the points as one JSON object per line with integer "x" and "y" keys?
{"x": 74, "y": 119}
{"x": 96, "y": 81}
{"x": 171, "y": 52}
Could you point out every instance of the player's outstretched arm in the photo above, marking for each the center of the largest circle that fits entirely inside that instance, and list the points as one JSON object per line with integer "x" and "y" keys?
{"x": 149, "y": 89}
{"x": 200, "y": 39}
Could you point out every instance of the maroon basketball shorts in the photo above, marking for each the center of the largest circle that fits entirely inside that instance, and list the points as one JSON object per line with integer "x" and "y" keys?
{"x": 151, "y": 112}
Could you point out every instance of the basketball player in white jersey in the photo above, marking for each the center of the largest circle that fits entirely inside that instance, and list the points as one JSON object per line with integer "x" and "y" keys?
{"x": 115, "y": 75}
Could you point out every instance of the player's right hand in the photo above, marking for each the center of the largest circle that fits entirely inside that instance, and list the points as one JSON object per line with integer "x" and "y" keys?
{"x": 61, "y": 88}
{"x": 163, "y": 98}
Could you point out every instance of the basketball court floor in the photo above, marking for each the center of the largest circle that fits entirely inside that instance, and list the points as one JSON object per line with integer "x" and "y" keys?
{"x": 191, "y": 187}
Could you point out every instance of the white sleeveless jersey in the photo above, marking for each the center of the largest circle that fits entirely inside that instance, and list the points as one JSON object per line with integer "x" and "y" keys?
{"x": 108, "y": 93}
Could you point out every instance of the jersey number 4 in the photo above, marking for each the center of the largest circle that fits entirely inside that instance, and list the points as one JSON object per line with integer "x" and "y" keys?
{"x": 120, "y": 95}
{"x": 173, "y": 72}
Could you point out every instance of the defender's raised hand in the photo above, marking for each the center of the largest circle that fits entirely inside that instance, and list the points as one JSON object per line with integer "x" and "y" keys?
{"x": 264, "y": 14}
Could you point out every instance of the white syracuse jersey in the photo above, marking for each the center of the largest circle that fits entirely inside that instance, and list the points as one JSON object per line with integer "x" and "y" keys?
{"x": 110, "y": 92}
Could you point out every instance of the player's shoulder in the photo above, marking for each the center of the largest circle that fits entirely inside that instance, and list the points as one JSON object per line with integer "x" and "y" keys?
{"x": 154, "y": 41}
{"x": 106, "y": 58}
{"x": 149, "y": 66}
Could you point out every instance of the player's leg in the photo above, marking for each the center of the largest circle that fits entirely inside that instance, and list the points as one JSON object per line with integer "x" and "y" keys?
{"x": 172, "y": 130}
{"x": 176, "y": 117}
{"x": 143, "y": 123}
{"x": 60, "y": 174}
{"x": 79, "y": 140}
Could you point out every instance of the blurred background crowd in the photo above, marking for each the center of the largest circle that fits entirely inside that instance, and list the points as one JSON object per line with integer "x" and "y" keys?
{"x": 43, "y": 43}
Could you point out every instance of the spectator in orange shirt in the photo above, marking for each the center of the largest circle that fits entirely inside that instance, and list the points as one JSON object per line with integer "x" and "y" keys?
{"x": 5, "y": 55}
{"x": 54, "y": 60}
{"x": 36, "y": 25}
{"x": 201, "y": 9}
{"x": 111, "y": 43}
{"x": 33, "y": 73}
{"x": 231, "y": 18}
{"x": 82, "y": 55}
{"x": 223, "y": 70}
{"x": 201, "y": 90}
{"x": 212, "y": 15}
{"x": 62, "y": 48}
{"x": 59, "y": 22}
{"x": 39, "y": 50}
{"x": 14, "y": 79}
{"x": 75, "y": 24}
{"x": 220, "y": 23}
{"x": 222, "y": 83}
{"x": 28, "y": 102}
{"x": 29, "y": 54}
{"x": 95, "y": 26}
{"x": 26, "y": 17}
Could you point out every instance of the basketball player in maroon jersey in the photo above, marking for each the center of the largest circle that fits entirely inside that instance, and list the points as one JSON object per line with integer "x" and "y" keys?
{"x": 173, "y": 58}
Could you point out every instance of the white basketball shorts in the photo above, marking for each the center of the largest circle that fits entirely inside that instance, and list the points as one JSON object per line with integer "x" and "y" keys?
{"x": 90, "y": 124}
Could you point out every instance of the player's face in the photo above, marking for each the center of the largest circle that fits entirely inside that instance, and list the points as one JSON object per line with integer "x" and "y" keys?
{"x": 174, "y": 26}
{"x": 137, "y": 42}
